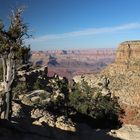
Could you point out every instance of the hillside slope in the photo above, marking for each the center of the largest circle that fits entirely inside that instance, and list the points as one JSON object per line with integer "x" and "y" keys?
{"x": 124, "y": 77}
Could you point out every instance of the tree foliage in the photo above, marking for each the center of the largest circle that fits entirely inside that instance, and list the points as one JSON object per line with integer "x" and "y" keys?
{"x": 92, "y": 103}
{"x": 13, "y": 53}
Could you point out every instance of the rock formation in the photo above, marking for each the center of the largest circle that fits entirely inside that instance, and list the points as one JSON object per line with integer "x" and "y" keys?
{"x": 60, "y": 122}
{"x": 127, "y": 58}
{"x": 127, "y": 132}
{"x": 128, "y": 51}
{"x": 120, "y": 79}
{"x": 124, "y": 77}
{"x": 68, "y": 63}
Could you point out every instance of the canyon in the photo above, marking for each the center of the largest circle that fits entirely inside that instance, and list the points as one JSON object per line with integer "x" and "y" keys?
{"x": 121, "y": 67}
{"x": 69, "y": 63}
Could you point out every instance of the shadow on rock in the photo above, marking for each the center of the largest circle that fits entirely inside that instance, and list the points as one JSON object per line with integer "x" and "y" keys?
{"x": 11, "y": 131}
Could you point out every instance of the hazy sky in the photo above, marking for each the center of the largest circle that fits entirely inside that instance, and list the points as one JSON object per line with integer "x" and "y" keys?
{"x": 74, "y": 24}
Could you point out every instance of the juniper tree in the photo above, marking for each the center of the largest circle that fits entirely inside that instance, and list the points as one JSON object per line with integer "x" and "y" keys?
{"x": 13, "y": 53}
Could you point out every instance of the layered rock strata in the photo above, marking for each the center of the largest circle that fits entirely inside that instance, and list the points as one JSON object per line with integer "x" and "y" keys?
{"x": 124, "y": 77}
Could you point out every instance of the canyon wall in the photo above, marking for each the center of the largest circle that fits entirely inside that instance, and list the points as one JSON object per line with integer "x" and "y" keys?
{"x": 124, "y": 77}
{"x": 69, "y": 63}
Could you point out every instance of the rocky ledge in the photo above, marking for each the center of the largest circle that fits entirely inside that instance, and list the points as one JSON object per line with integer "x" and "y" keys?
{"x": 124, "y": 77}
{"x": 124, "y": 73}
{"x": 127, "y": 58}
{"x": 128, "y": 51}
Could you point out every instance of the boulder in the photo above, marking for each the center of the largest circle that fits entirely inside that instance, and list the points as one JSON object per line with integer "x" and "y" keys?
{"x": 48, "y": 120}
{"x": 65, "y": 124}
{"x": 35, "y": 99}
{"x": 25, "y": 100}
{"x": 37, "y": 113}
{"x": 16, "y": 110}
{"x": 127, "y": 132}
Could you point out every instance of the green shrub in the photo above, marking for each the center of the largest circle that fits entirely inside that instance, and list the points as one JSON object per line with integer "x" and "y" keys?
{"x": 98, "y": 107}
{"x": 19, "y": 88}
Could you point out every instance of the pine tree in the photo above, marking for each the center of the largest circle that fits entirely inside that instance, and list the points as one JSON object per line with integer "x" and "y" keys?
{"x": 13, "y": 53}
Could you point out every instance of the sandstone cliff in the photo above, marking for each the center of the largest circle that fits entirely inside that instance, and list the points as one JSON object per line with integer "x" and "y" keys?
{"x": 124, "y": 77}
{"x": 127, "y": 58}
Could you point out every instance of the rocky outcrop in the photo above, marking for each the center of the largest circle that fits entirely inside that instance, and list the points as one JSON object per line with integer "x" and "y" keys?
{"x": 40, "y": 117}
{"x": 60, "y": 122}
{"x": 127, "y": 132}
{"x": 124, "y": 73}
{"x": 65, "y": 124}
{"x": 99, "y": 84}
{"x": 128, "y": 51}
{"x": 127, "y": 59}
{"x": 24, "y": 72}
{"x": 124, "y": 77}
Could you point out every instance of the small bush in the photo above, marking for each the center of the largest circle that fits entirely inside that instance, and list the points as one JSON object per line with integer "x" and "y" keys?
{"x": 97, "y": 107}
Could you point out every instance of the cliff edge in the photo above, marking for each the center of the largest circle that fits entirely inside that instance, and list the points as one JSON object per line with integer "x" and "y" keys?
{"x": 124, "y": 77}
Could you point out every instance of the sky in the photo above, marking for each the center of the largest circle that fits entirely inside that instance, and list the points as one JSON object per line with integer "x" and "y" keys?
{"x": 77, "y": 24}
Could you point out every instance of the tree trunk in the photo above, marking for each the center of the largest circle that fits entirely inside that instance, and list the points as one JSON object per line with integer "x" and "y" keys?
{"x": 8, "y": 78}
{"x": 8, "y": 110}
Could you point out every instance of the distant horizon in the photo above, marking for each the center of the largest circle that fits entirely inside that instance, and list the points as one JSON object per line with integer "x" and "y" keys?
{"x": 74, "y": 49}
{"x": 67, "y": 49}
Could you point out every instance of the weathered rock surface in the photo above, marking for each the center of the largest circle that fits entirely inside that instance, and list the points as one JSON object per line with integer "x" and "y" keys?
{"x": 128, "y": 51}
{"x": 65, "y": 124}
{"x": 60, "y": 122}
{"x": 124, "y": 77}
{"x": 16, "y": 110}
{"x": 127, "y": 132}
{"x": 99, "y": 84}
{"x": 40, "y": 117}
